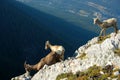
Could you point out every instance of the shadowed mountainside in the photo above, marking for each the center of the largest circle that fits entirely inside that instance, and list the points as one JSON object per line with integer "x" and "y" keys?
{"x": 23, "y": 32}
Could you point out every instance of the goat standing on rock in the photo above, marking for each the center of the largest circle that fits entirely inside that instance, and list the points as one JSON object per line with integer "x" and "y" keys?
{"x": 112, "y": 22}
{"x": 55, "y": 48}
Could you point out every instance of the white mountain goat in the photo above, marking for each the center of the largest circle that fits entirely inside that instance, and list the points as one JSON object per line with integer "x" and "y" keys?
{"x": 112, "y": 22}
{"x": 56, "y": 48}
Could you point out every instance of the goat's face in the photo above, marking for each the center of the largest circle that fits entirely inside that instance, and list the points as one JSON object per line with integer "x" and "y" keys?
{"x": 47, "y": 45}
{"x": 95, "y": 20}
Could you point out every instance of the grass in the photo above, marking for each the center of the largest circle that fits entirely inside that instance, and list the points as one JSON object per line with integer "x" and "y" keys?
{"x": 102, "y": 38}
{"x": 82, "y": 56}
{"x": 92, "y": 73}
{"x": 117, "y": 51}
{"x": 68, "y": 76}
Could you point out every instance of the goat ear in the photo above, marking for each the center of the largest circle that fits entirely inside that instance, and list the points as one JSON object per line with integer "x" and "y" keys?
{"x": 94, "y": 18}
{"x": 97, "y": 17}
{"x": 47, "y": 41}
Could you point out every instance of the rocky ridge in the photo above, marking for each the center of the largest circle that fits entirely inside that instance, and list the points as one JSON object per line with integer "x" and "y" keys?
{"x": 100, "y": 54}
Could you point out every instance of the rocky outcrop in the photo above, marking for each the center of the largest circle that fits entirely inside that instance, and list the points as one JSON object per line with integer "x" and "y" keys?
{"x": 102, "y": 53}
{"x": 95, "y": 53}
{"x": 25, "y": 76}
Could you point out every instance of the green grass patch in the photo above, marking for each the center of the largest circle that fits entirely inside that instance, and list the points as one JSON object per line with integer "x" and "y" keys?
{"x": 117, "y": 51}
{"x": 102, "y": 38}
{"x": 82, "y": 56}
{"x": 92, "y": 73}
{"x": 69, "y": 76}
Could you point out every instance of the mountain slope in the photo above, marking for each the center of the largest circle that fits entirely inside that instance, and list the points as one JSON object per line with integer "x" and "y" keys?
{"x": 100, "y": 54}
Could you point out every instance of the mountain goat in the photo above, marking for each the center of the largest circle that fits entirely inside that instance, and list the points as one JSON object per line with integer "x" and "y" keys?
{"x": 50, "y": 59}
{"x": 111, "y": 22}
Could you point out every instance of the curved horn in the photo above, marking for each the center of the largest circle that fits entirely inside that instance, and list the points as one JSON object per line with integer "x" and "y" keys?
{"x": 47, "y": 41}
{"x": 97, "y": 15}
{"x": 46, "y": 44}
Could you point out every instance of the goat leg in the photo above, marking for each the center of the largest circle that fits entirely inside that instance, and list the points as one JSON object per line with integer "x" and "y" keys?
{"x": 101, "y": 32}
{"x": 104, "y": 31}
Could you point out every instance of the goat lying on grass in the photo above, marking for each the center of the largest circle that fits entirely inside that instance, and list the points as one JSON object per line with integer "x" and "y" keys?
{"x": 50, "y": 59}
{"x": 112, "y": 22}
{"x": 56, "y": 48}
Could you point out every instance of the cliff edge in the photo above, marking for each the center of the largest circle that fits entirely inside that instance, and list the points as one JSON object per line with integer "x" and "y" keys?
{"x": 99, "y": 51}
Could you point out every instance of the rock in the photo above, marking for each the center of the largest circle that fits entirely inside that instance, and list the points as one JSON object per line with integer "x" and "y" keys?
{"x": 116, "y": 73}
{"x": 100, "y": 54}
{"x": 25, "y": 76}
{"x": 101, "y": 72}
